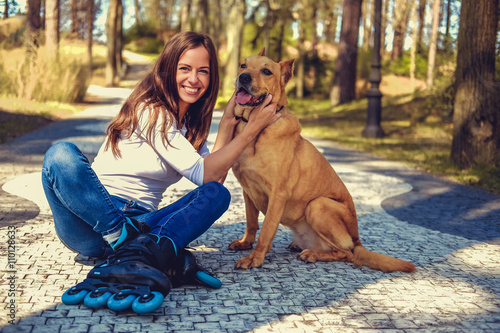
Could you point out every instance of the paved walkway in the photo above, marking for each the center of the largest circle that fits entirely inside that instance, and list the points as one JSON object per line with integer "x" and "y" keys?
{"x": 450, "y": 232}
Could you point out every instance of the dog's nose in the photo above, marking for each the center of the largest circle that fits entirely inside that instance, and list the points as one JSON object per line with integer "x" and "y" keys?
{"x": 245, "y": 78}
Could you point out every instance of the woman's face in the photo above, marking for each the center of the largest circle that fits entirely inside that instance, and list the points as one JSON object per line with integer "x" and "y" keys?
{"x": 193, "y": 76}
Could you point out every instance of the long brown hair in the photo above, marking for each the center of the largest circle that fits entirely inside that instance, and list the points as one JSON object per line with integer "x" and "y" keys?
{"x": 158, "y": 92}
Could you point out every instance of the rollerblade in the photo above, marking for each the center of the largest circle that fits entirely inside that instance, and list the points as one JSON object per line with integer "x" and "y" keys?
{"x": 186, "y": 270}
{"x": 132, "y": 277}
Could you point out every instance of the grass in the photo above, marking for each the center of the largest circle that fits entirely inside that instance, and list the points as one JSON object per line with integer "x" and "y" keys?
{"x": 417, "y": 130}
{"x": 18, "y": 117}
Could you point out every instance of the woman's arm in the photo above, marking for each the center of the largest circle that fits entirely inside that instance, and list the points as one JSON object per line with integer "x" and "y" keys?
{"x": 226, "y": 148}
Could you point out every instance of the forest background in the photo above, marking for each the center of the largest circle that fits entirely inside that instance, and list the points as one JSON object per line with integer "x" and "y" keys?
{"x": 439, "y": 67}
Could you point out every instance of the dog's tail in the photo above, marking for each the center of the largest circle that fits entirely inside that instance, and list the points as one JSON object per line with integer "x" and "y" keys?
{"x": 382, "y": 262}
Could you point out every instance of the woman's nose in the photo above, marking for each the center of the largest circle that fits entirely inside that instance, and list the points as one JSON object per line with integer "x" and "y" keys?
{"x": 193, "y": 77}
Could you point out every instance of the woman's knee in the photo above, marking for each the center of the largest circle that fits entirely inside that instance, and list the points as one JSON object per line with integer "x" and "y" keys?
{"x": 61, "y": 154}
{"x": 218, "y": 194}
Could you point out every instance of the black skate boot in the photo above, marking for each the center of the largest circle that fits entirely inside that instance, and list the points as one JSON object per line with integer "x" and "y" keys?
{"x": 131, "y": 277}
{"x": 186, "y": 270}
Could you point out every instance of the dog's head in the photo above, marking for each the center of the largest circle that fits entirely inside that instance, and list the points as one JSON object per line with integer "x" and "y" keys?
{"x": 259, "y": 76}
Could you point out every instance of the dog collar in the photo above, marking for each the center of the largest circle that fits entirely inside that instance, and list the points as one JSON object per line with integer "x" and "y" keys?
{"x": 246, "y": 120}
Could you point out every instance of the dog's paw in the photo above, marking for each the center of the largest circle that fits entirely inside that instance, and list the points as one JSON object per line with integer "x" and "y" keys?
{"x": 239, "y": 245}
{"x": 308, "y": 256}
{"x": 249, "y": 262}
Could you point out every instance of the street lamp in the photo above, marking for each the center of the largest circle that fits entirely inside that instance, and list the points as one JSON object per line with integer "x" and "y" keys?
{"x": 373, "y": 129}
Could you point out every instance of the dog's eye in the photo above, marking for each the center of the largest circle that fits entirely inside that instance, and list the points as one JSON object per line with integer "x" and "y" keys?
{"x": 267, "y": 71}
{"x": 243, "y": 66}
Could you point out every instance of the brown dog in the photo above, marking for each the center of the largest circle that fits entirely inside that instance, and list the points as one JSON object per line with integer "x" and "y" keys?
{"x": 286, "y": 178}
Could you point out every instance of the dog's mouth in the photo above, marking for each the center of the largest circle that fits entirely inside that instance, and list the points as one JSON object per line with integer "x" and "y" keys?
{"x": 243, "y": 97}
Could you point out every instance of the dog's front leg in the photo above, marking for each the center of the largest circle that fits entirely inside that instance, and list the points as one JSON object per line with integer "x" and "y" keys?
{"x": 252, "y": 215}
{"x": 266, "y": 236}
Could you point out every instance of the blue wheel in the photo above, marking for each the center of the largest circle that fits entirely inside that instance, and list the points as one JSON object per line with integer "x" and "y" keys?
{"x": 208, "y": 280}
{"x": 73, "y": 296}
{"x": 120, "y": 302}
{"x": 147, "y": 304}
{"x": 97, "y": 298}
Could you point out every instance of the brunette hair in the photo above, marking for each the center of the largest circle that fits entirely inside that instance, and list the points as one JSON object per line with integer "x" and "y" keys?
{"x": 158, "y": 92}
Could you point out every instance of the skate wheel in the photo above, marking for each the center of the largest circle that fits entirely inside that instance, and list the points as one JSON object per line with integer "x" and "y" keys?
{"x": 97, "y": 298}
{"x": 147, "y": 304}
{"x": 207, "y": 280}
{"x": 119, "y": 302}
{"x": 72, "y": 296}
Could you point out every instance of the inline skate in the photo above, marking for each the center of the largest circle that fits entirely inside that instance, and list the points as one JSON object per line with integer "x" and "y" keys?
{"x": 132, "y": 277}
{"x": 137, "y": 274}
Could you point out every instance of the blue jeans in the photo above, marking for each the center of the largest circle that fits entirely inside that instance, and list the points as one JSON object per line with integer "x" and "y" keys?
{"x": 84, "y": 211}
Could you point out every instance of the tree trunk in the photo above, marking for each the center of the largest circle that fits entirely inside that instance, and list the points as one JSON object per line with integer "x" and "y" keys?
{"x": 367, "y": 24}
{"x": 215, "y": 25}
{"x": 433, "y": 44}
{"x": 414, "y": 34}
{"x": 235, "y": 28}
{"x": 52, "y": 28}
{"x": 401, "y": 16}
{"x": 90, "y": 28}
{"x": 6, "y": 9}
{"x": 301, "y": 62}
{"x": 137, "y": 14}
{"x": 267, "y": 19}
{"x": 421, "y": 22}
{"x": 185, "y": 15}
{"x": 119, "y": 41}
{"x": 111, "y": 43}
{"x": 344, "y": 82}
{"x": 33, "y": 25}
{"x": 202, "y": 17}
{"x": 476, "y": 118}
{"x": 385, "y": 14}
{"x": 447, "y": 37}
{"x": 74, "y": 16}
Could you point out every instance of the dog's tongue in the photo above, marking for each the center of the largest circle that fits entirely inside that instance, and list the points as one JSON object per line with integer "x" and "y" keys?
{"x": 242, "y": 97}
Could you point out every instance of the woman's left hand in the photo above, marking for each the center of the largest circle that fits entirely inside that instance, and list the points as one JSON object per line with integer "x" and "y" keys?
{"x": 228, "y": 118}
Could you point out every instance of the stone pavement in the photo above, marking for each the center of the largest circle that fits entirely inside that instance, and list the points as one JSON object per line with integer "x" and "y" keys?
{"x": 450, "y": 232}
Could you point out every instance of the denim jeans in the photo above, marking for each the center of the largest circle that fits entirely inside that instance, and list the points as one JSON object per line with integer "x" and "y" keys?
{"x": 84, "y": 211}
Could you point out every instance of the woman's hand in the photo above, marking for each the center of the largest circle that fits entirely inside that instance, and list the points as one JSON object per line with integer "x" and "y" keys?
{"x": 228, "y": 118}
{"x": 264, "y": 115}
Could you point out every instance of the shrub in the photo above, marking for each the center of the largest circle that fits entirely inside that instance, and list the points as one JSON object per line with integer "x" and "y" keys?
{"x": 43, "y": 78}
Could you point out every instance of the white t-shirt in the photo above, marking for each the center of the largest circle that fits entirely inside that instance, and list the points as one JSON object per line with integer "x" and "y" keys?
{"x": 144, "y": 172}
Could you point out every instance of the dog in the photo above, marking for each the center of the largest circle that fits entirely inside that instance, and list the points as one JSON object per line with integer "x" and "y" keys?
{"x": 287, "y": 179}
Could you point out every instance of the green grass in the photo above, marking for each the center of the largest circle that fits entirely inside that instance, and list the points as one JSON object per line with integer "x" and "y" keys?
{"x": 18, "y": 116}
{"x": 416, "y": 134}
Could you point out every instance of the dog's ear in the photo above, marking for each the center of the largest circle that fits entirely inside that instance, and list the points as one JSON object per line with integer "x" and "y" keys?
{"x": 286, "y": 70}
{"x": 262, "y": 52}
{"x": 286, "y": 75}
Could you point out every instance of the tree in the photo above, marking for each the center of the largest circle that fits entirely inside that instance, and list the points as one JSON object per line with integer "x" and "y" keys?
{"x": 90, "y": 28}
{"x": 6, "y": 9}
{"x": 234, "y": 39}
{"x": 401, "y": 16}
{"x": 476, "y": 118}
{"x": 112, "y": 36}
{"x": 33, "y": 25}
{"x": 421, "y": 19}
{"x": 184, "y": 16}
{"x": 414, "y": 46}
{"x": 433, "y": 44}
{"x": 52, "y": 27}
{"x": 344, "y": 82}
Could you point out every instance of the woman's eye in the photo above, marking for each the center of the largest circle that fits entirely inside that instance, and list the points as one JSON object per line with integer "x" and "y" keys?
{"x": 267, "y": 72}
{"x": 205, "y": 71}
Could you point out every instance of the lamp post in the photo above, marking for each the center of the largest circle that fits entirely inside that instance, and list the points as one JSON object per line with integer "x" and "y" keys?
{"x": 373, "y": 129}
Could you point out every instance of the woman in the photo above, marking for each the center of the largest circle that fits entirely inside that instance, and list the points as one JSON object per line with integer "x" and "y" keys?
{"x": 158, "y": 137}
